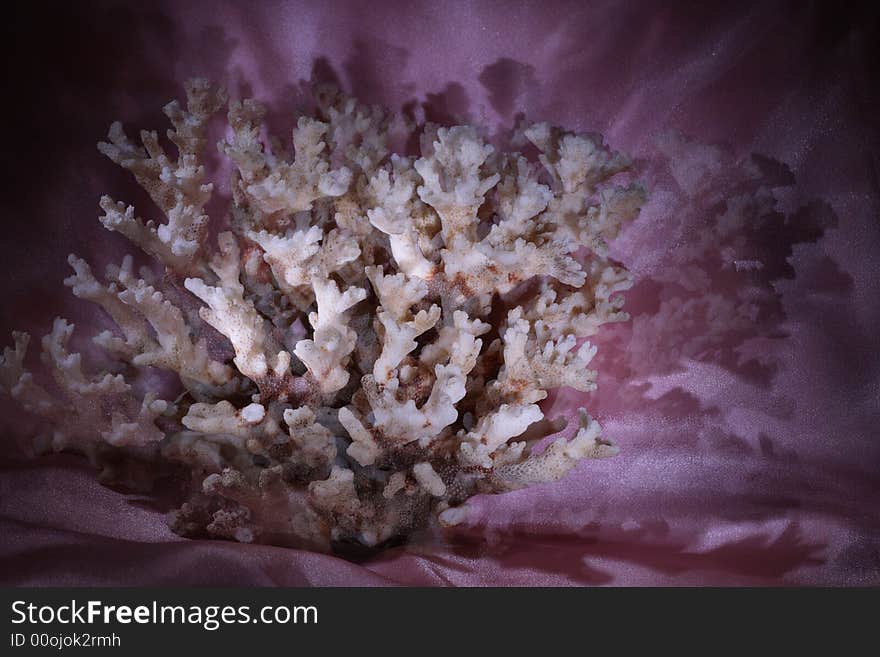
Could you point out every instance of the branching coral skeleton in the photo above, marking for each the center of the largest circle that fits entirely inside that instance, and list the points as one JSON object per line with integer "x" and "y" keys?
{"x": 393, "y": 321}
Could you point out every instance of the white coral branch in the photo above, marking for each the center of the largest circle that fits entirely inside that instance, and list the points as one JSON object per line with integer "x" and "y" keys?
{"x": 393, "y": 208}
{"x": 494, "y": 430}
{"x": 133, "y": 325}
{"x": 274, "y": 185}
{"x": 326, "y": 354}
{"x": 453, "y": 180}
{"x": 257, "y": 354}
{"x": 176, "y": 187}
{"x": 403, "y": 422}
{"x": 224, "y": 418}
{"x": 315, "y": 445}
{"x": 363, "y": 448}
{"x": 558, "y": 458}
{"x": 534, "y": 364}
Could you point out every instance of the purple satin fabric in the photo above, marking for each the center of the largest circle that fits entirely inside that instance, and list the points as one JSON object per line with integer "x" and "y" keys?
{"x": 761, "y": 470}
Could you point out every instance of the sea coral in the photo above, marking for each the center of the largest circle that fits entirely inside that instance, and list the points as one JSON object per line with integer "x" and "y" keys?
{"x": 391, "y": 322}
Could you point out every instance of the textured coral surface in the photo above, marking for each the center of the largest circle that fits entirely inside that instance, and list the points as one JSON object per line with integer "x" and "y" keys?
{"x": 743, "y": 392}
{"x": 390, "y": 322}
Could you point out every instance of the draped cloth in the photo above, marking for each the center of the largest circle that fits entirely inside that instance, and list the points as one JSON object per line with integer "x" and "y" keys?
{"x": 749, "y": 444}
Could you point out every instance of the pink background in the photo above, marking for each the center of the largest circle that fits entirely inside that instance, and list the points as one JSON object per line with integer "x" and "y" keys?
{"x": 762, "y": 473}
